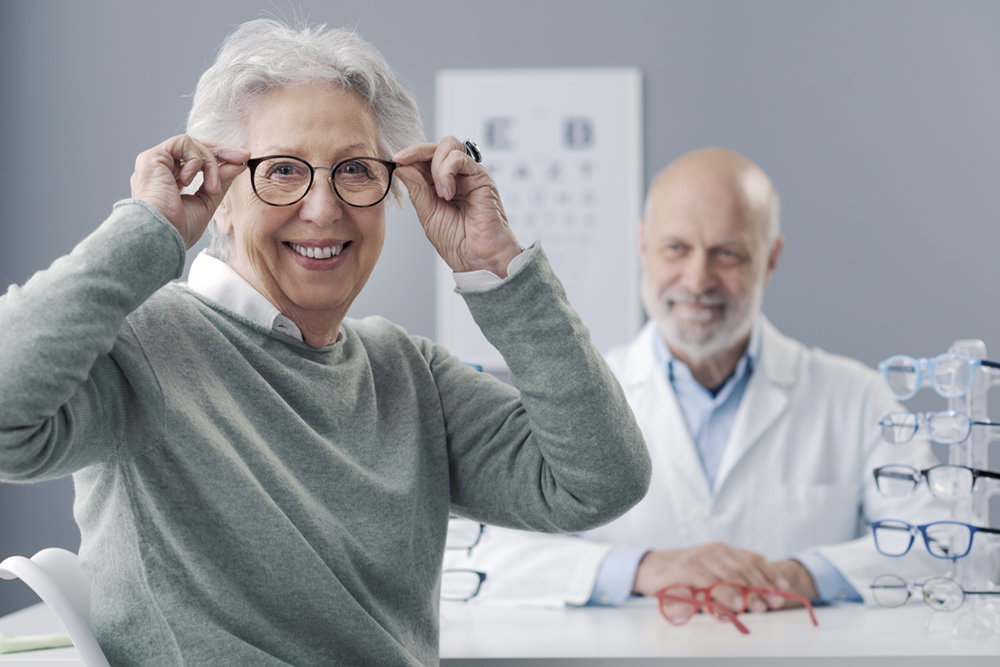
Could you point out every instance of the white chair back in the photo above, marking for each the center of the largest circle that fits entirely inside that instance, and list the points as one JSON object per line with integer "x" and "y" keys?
{"x": 57, "y": 578}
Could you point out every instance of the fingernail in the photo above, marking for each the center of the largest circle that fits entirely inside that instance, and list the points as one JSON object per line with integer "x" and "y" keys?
{"x": 438, "y": 189}
{"x": 757, "y": 606}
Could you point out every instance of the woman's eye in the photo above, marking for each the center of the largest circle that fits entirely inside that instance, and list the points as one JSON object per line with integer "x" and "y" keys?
{"x": 286, "y": 171}
{"x": 354, "y": 170}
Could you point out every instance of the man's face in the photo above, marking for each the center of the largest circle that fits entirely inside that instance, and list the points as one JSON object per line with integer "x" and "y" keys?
{"x": 704, "y": 264}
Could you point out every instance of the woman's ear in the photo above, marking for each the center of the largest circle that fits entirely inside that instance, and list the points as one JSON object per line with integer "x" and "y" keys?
{"x": 223, "y": 219}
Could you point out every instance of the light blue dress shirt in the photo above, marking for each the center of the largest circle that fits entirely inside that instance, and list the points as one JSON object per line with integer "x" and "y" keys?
{"x": 710, "y": 414}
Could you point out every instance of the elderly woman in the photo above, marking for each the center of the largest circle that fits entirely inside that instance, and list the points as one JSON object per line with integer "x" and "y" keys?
{"x": 260, "y": 481}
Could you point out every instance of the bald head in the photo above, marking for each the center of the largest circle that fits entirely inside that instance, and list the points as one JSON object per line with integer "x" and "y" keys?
{"x": 709, "y": 242}
{"x": 727, "y": 177}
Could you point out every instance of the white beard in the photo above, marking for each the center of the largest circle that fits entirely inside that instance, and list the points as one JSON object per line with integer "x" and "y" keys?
{"x": 701, "y": 335}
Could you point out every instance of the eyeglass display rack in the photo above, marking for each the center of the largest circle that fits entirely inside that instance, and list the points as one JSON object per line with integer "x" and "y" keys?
{"x": 980, "y": 570}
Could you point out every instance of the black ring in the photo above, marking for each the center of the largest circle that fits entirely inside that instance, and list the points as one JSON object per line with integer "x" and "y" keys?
{"x": 472, "y": 150}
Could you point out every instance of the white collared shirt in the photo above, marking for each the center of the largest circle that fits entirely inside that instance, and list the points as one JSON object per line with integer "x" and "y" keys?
{"x": 214, "y": 279}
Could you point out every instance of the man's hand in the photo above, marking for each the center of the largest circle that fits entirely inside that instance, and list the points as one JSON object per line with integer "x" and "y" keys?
{"x": 799, "y": 580}
{"x": 703, "y": 565}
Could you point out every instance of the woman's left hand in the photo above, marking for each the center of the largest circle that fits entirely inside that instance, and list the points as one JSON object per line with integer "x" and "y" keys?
{"x": 458, "y": 205}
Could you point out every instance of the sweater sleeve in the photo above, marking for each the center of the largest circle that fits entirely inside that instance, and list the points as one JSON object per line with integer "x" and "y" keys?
{"x": 562, "y": 452}
{"x": 64, "y": 396}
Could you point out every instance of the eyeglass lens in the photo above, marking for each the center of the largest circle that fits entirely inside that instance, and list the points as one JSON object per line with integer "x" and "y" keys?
{"x": 890, "y": 590}
{"x": 284, "y": 180}
{"x": 674, "y": 606}
{"x": 946, "y": 427}
{"x": 949, "y": 374}
{"x": 943, "y": 594}
{"x": 943, "y": 539}
{"x": 940, "y": 593}
{"x": 943, "y": 481}
{"x": 461, "y": 585}
{"x": 463, "y": 533}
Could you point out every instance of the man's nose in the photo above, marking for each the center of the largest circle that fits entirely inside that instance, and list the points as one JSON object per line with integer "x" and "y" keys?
{"x": 698, "y": 277}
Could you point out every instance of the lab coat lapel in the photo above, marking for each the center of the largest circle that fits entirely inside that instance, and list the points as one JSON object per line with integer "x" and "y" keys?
{"x": 766, "y": 397}
{"x": 671, "y": 447}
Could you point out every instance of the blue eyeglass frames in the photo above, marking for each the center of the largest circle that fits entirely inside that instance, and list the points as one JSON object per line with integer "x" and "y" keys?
{"x": 943, "y": 539}
{"x": 949, "y": 374}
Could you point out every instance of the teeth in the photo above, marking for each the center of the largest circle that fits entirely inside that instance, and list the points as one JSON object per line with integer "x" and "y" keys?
{"x": 317, "y": 253}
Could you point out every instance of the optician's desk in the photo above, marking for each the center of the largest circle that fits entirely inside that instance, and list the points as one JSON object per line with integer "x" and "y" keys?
{"x": 636, "y": 635}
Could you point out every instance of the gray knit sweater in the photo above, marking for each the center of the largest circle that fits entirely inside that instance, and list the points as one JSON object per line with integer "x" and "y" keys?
{"x": 245, "y": 499}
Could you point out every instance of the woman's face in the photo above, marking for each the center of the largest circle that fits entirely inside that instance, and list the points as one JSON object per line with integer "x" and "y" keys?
{"x": 322, "y": 125}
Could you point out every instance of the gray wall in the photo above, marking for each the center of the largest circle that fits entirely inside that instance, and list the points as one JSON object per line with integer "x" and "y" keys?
{"x": 877, "y": 121}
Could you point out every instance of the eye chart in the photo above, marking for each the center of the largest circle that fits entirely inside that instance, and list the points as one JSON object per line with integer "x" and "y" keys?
{"x": 565, "y": 149}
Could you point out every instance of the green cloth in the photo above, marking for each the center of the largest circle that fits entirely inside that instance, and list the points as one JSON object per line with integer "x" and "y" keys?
{"x": 245, "y": 499}
{"x": 10, "y": 643}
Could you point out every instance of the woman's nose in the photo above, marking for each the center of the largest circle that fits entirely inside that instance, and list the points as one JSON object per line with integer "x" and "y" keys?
{"x": 322, "y": 205}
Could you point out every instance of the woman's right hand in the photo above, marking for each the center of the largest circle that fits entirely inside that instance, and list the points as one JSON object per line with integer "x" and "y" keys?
{"x": 163, "y": 171}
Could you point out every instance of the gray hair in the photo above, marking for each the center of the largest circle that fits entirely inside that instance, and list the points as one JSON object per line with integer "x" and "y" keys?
{"x": 265, "y": 54}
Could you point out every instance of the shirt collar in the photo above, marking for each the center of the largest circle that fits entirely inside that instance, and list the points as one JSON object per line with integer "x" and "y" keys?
{"x": 671, "y": 366}
{"x": 214, "y": 279}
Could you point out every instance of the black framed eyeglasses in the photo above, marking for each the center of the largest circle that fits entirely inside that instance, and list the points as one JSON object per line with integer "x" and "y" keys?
{"x": 459, "y": 585}
{"x": 463, "y": 534}
{"x": 943, "y": 481}
{"x": 283, "y": 180}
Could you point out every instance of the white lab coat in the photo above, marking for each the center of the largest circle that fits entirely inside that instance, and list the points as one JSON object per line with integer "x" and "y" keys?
{"x": 796, "y": 474}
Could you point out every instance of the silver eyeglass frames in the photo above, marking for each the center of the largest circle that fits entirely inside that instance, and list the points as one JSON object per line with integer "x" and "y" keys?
{"x": 939, "y": 593}
{"x": 945, "y": 427}
{"x": 947, "y": 482}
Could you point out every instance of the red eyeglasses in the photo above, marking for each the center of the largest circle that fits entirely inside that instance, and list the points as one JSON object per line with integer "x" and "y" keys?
{"x": 678, "y": 602}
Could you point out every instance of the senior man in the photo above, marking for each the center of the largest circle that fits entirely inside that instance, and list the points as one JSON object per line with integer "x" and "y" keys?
{"x": 762, "y": 449}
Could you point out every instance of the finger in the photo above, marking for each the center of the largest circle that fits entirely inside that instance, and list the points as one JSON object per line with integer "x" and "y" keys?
{"x": 422, "y": 152}
{"x": 453, "y": 165}
{"x": 219, "y": 162}
{"x": 223, "y": 164}
{"x": 450, "y": 159}
{"x": 418, "y": 186}
{"x": 185, "y": 156}
{"x": 209, "y": 167}
{"x": 740, "y": 567}
{"x": 188, "y": 156}
{"x": 780, "y": 583}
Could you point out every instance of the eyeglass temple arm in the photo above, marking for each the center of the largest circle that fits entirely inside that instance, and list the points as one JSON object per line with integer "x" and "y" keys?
{"x": 718, "y": 608}
{"x": 789, "y": 595}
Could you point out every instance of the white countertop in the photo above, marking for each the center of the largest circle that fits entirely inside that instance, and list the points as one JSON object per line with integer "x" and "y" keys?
{"x": 636, "y": 634}
{"x": 637, "y": 630}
